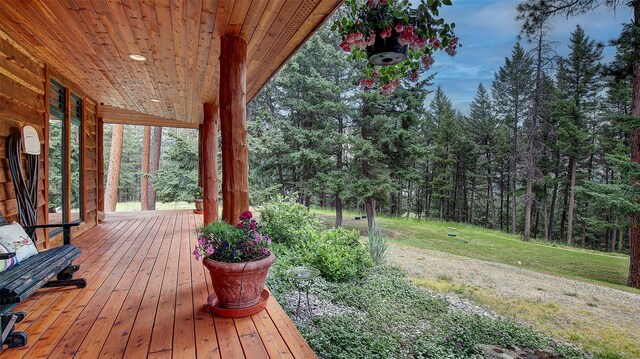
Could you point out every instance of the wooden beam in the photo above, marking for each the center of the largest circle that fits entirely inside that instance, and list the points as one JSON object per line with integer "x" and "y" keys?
{"x": 111, "y": 114}
{"x": 233, "y": 102}
{"x": 209, "y": 153}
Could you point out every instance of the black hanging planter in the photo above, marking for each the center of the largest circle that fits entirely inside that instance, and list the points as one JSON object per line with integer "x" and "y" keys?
{"x": 387, "y": 51}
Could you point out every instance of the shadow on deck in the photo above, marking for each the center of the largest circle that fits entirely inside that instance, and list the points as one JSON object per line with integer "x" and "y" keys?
{"x": 145, "y": 298}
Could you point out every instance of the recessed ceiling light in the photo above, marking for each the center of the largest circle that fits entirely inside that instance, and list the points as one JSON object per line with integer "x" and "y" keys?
{"x": 155, "y": 100}
{"x": 137, "y": 57}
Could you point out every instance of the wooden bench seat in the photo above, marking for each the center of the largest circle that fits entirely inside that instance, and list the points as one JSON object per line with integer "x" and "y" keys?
{"x": 19, "y": 282}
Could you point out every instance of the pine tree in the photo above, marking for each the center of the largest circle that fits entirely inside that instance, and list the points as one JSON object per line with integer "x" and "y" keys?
{"x": 482, "y": 127}
{"x": 512, "y": 91}
{"x": 446, "y": 136}
{"x": 578, "y": 82}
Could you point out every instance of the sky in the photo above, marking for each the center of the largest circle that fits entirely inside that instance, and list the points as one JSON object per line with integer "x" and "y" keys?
{"x": 488, "y": 30}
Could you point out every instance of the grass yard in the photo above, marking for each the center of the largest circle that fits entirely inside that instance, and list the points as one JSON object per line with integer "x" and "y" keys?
{"x": 135, "y": 206}
{"x": 591, "y": 266}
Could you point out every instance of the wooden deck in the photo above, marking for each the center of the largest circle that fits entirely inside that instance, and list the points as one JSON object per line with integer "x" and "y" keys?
{"x": 145, "y": 298}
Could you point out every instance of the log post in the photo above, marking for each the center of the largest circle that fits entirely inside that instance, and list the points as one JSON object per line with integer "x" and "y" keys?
{"x": 233, "y": 101}
{"x": 209, "y": 164}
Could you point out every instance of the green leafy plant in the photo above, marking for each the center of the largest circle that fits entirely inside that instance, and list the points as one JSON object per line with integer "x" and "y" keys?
{"x": 420, "y": 28}
{"x": 287, "y": 221}
{"x": 225, "y": 243}
{"x": 378, "y": 244}
{"x": 197, "y": 194}
{"x": 339, "y": 254}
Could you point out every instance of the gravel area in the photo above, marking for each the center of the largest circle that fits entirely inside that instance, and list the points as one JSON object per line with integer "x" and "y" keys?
{"x": 580, "y": 304}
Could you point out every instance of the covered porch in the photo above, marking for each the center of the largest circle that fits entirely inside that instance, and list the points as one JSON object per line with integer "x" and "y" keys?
{"x": 146, "y": 297}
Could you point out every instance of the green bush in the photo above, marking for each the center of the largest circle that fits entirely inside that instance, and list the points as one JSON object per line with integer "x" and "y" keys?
{"x": 287, "y": 221}
{"x": 339, "y": 254}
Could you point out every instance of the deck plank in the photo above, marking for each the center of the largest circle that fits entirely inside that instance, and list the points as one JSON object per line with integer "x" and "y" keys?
{"x": 146, "y": 297}
{"x": 162, "y": 334}
{"x": 43, "y": 323}
{"x": 206, "y": 338}
{"x": 82, "y": 324}
{"x": 115, "y": 327}
{"x": 140, "y": 337}
{"x": 184, "y": 331}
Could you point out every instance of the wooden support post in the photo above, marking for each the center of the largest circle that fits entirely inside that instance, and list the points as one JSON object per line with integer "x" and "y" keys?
{"x": 233, "y": 101}
{"x": 100, "y": 148}
{"x": 209, "y": 156}
{"x": 200, "y": 150}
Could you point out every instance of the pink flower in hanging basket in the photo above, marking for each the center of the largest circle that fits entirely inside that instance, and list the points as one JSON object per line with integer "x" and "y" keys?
{"x": 367, "y": 83}
{"x": 427, "y": 61}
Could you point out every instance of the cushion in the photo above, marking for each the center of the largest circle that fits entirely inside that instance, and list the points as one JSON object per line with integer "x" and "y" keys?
{"x": 14, "y": 237}
{"x": 6, "y": 263}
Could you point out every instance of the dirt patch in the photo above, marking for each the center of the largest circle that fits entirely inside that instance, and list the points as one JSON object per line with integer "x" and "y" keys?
{"x": 599, "y": 318}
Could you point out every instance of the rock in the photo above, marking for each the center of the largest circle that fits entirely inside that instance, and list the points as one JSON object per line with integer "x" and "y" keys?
{"x": 498, "y": 352}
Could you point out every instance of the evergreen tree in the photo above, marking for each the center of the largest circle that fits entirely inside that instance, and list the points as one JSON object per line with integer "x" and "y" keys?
{"x": 578, "y": 83}
{"x": 512, "y": 91}
{"x": 482, "y": 128}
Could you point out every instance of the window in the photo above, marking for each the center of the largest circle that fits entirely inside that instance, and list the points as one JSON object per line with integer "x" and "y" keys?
{"x": 65, "y": 152}
{"x": 56, "y": 149}
{"x": 76, "y": 159}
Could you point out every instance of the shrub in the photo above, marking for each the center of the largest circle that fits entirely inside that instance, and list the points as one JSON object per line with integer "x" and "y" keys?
{"x": 378, "y": 244}
{"x": 287, "y": 221}
{"x": 339, "y": 254}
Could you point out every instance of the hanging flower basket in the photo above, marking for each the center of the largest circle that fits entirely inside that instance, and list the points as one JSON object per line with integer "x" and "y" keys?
{"x": 396, "y": 38}
{"x": 386, "y": 52}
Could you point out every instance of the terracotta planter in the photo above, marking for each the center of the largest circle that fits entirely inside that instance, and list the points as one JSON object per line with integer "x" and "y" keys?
{"x": 199, "y": 205}
{"x": 385, "y": 52}
{"x": 239, "y": 285}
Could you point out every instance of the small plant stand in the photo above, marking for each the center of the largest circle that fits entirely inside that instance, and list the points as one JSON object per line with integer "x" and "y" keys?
{"x": 303, "y": 278}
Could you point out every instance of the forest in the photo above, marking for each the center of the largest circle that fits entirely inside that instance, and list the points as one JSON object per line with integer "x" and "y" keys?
{"x": 543, "y": 151}
{"x": 549, "y": 162}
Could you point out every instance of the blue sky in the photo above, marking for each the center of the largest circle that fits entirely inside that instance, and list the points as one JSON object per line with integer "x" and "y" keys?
{"x": 488, "y": 30}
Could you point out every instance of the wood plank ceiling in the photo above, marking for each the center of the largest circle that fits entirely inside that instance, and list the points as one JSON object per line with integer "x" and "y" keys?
{"x": 89, "y": 43}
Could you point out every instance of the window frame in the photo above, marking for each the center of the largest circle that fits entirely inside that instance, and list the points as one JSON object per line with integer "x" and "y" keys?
{"x": 67, "y": 99}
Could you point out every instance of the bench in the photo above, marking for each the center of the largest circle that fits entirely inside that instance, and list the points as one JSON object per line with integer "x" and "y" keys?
{"x": 20, "y": 281}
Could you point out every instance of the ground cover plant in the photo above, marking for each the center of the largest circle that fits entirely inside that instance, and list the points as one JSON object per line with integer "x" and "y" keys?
{"x": 373, "y": 311}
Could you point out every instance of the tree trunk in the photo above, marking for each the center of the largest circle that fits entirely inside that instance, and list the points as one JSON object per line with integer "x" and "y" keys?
{"x": 532, "y": 145}
{"x": 614, "y": 235}
{"x": 338, "y": 210}
{"x": 113, "y": 174}
{"x": 634, "y": 233}
{"x": 514, "y": 168}
{"x": 154, "y": 154}
{"x": 144, "y": 179}
{"x": 572, "y": 195}
{"x": 370, "y": 210}
{"x": 527, "y": 213}
{"x": 554, "y": 197}
{"x": 409, "y": 199}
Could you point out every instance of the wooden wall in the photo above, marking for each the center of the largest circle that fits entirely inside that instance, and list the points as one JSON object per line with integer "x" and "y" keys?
{"x": 24, "y": 101}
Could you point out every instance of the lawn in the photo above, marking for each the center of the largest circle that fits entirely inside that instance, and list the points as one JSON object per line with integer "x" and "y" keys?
{"x": 595, "y": 267}
{"x": 135, "y": 206}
